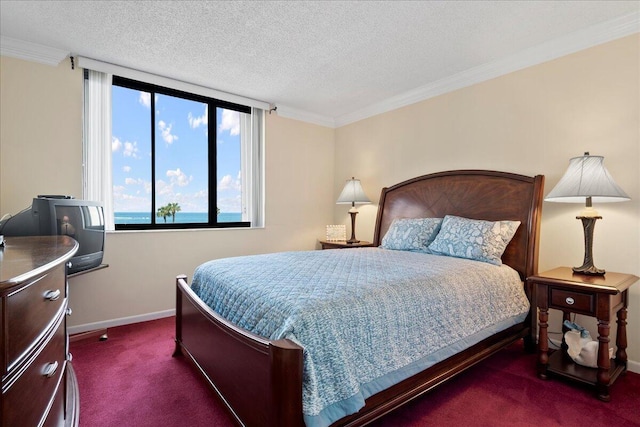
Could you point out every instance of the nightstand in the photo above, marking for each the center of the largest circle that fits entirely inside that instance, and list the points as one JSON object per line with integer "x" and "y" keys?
{"x": 342, "y": 244}
{"x": 596, "y": 296}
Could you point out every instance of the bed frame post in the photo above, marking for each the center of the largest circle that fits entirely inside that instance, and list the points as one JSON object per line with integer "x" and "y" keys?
{"x": 286, "y": 382}
{"x": 178, "y": 339}
{"x": 535, "y": 217}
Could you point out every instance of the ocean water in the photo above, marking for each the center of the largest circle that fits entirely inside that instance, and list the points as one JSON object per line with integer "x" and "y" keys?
{"x": 181, "y": 217}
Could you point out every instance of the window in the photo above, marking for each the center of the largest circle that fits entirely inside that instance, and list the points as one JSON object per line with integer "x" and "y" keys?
{"x": 182, "y": 160}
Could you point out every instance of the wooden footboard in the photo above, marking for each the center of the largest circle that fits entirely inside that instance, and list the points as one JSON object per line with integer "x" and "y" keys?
{"x": 259, "y": 381}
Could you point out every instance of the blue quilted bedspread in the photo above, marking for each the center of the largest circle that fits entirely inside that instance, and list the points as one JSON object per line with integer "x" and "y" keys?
{"x": 367, "y": 318}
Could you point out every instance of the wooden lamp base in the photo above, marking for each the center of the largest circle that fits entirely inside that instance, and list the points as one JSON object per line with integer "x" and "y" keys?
{"x": 353, "y": 214}
{"x": 587, "y": 267}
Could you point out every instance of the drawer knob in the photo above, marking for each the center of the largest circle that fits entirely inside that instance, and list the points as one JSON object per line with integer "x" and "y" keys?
{"x": 50, "y": 369}
{"x": 570, "y": 300}
{"x": 52, "y": 295}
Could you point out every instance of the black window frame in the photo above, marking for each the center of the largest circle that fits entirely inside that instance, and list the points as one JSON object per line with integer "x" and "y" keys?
{"x": 213, "y": 105}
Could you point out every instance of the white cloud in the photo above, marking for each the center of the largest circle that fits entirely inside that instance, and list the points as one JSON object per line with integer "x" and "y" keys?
{"x": 230, "y": 204}
{"x": 225, "y": 182}
{"x": 203, "y": 120}
{"x": 126, "y": 202}
{"x": 130, "y": 149}
{"x": 134, "y": 196}
{"x": 166, "y": 132}
{"x": 202, "y": 194}
{"x": 116, "y": 144}
{"x": 145, "y": 99}
{"x": 230, "y": 121}
{"x": 178, "y": 177}
{"x": 162, "y": 188}
{"x": 126, "y": 169}
{"x": 145, "y": 186}
{"x": 228, "y": 183}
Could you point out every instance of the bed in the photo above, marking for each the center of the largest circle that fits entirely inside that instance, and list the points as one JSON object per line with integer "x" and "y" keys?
{"x": 261, "y": 380}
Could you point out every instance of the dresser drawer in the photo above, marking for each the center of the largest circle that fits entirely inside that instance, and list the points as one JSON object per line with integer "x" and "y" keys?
{"x": 56, "y": 415}
{"x": 31, "y": 310}
{"x": 27, "y": 399}
{"x": 576, "y": 302}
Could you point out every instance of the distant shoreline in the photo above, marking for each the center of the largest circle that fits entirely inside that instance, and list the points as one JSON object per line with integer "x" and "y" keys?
{"x": 181, "y": 217}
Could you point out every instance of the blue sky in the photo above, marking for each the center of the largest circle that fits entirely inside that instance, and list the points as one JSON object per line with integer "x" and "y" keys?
{"x": 181, "y": 153}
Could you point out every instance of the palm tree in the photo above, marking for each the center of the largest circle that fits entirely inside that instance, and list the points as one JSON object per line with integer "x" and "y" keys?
{"x": 163, "y": 213}
{"x": 173, "y": 208}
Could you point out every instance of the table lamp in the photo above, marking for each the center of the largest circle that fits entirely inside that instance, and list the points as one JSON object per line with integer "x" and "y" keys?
{"x": 353, "y": 193}
{"x": 587, "y": 181}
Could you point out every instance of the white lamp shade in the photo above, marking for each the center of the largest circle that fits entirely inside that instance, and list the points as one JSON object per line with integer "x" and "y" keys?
{"x": 352, "y": 193}
{"x": 587, "y": 177}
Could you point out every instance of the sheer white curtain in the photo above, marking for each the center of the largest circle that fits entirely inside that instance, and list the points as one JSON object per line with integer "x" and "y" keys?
{"x": 97, "y": 182}
{"x": 253, "y": 167}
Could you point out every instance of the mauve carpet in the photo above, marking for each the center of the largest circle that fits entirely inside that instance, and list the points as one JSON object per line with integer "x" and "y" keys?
{"x": 132, "y": 380}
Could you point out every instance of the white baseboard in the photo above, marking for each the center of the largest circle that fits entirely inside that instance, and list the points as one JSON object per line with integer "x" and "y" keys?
{"x": 120, "y": 322}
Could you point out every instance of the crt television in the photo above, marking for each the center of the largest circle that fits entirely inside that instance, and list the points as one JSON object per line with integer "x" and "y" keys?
{"x": 58, "y": 215}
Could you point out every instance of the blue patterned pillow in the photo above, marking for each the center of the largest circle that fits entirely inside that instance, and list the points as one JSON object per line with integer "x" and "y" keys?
{"x": 411, "y": 234}
{"x": 474, "y": 239}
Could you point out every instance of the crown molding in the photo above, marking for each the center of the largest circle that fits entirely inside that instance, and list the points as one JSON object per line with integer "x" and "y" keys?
{"x": 31, "y": 51}
{"x": 305, "y": 116}
{"x": 574, "y": 42}
{"x": 592, "y": 36}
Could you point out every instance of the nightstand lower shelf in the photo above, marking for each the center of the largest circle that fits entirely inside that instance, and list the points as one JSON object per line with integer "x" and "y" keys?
{"x": 562, "y": 365}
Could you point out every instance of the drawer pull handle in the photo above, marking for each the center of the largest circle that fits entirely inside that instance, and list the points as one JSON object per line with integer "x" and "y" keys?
{"x": 52, "y": 295}
{"x": 50, "y": 369}
{"x": 570, "y": 300}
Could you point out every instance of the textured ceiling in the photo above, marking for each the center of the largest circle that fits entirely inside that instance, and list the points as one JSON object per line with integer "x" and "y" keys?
{"x": 325, "y": 58}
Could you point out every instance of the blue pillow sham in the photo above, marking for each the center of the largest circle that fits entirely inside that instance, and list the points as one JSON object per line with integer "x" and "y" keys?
{"x": 474, "y": 239}
{"x": 411, "y": 234}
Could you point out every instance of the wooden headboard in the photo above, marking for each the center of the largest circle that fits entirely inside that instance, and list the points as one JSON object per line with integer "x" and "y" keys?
{"x": 475, "y": 194}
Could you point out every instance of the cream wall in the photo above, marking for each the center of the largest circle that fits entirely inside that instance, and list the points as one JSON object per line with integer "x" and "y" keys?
{"x": 528, "y": 122}
{"x": 40, "y": 132}
{"x": 41, "y": 152}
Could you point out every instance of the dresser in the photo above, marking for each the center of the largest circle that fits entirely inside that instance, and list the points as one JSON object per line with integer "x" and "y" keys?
{"x": 39, "y": 387}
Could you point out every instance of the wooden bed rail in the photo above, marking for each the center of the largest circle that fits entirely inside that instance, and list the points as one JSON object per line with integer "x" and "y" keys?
{"x": 273, "y": 368}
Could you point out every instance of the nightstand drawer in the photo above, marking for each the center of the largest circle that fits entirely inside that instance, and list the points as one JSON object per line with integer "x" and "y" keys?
{"x": 570, "y": 300}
